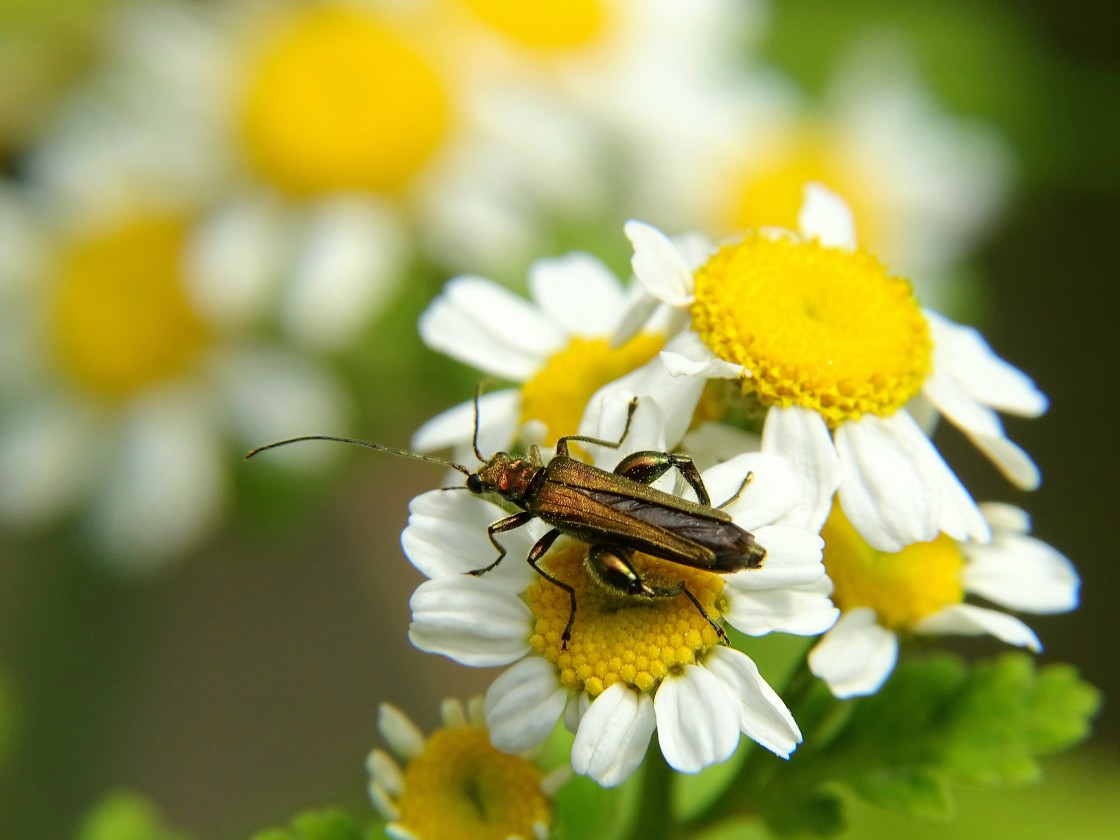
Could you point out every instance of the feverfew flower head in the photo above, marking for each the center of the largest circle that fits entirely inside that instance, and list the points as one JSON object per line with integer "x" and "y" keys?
{"x": 922, "y": 590}
{"x": 454, "y": 783}
{"x": 833, "y": 349}
{"x": 632, "y": 664}
{"x": 556, "y": 346}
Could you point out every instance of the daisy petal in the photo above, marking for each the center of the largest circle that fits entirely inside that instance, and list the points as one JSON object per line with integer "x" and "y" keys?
{"x": 970, "y": 620}
{"x": 802, "y": 611}
{"x": 613, "y": 735}
{"x": 772, "y": 492}
{"x": 578, "y": 291}
{"x": 471, "y": 620}
{"x": 697, "y": 720}
{"x": 1021, "y": 573}
{"x": 802, "y": 438}
{"x": 763, "y": 717}
{"x": 826, "y": 217}
{"x": 659, "y": 266}
{"x": 1006, "y": 518}
{"x": 498, "y": 413}
{"x": 711, "y": 368}
{"x": 523, "y": 705}
{"x": 484, "y": 325}
{"x": 402, "y": 735}
{"x": 856, "y": 656}
{"x": 793, "y": 558}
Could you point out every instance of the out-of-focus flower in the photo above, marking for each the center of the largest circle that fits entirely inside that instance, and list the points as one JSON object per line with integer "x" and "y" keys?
{"x": 833, "y": 349}
{"x": 922, "y": 590}
{"x": 454, "y": 783}
{"x": 121, "y": 393}
{"x": 632, "y": 664}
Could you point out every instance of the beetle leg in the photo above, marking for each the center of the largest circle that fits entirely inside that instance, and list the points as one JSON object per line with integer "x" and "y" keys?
{"x": 535, "y": 554}
{"x": 646, "y": 467}
{"x": 562, "y": 443}
{"x": 747, "y": 479}
{"x": 508, "y": 524}
{"x": 610, "y": 565}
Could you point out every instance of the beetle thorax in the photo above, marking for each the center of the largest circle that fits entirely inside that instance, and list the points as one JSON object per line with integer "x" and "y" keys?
{"x": 508, "y": 476}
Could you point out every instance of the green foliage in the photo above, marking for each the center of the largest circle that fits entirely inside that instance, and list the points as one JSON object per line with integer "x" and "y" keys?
{"x": 126, "y": 815}
{"x": 329, "y": 824}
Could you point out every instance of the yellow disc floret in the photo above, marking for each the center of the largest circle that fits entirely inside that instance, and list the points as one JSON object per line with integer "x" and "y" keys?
{"x": 637, "y": 641}
{"x": 902, "y": 588}
{"x": 462, "y": 788}
{"x": 337, "y": 100}
{"x": 119, "y": 319}
{"x": 559, "y": 392}
{"x": 542, "y": 23}
{"x": 823, "y": 328}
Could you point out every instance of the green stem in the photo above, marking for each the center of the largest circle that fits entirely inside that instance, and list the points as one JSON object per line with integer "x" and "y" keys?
{"x": 655, "y": 806}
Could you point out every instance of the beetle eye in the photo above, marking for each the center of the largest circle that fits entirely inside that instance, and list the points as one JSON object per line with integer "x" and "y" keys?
{"x": 474, "y": 483}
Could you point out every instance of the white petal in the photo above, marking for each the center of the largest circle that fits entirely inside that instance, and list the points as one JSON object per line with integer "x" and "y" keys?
{"x": 802, "y": 438}
{"x": 712, "y": 443}
{"x": 1006, "y": 518}
{"x": 400, "y": 733}
{"x": 446, "y": 535}
{"x": 710, "y": 368}
{"x": 349, "y": 265}
{"x": 888, "y": 488}
{"x": 498, "y": 414}
{"x": 856, "y": 656}
{"x": 1021, "y": 573}
{"x": 793, "y": 558}
{"x": 774, "y": 490}
{"x": 579, "y": 292}
{"x": 524, "y": 704}
{"x": 471, "y": 620}
{"x": 970, "y": 620}
{"x": 659, "y": 266}
{"x": 382, "y": 801}
{"x": 697, "y": 720}
{"x": 763, "y": 717}
{"x": 482, "y": 324}
{"x": 803, "y": 610}
{"x": 634, "y": 315}
{"x": 825, "y": 216}
{"x": 385, "y": 773}
{"x": 613, "y": 735}
{"x": 962, "y": 353}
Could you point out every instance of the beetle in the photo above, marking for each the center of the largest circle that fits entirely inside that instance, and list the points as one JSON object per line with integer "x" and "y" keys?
{"x": 616, "y": 513}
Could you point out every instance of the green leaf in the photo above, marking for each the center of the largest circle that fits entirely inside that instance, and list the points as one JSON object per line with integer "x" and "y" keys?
{"x": 819, "y": 814}
{"x": 126, "y": 815}
{"x": 917, "y": 792}
{"x": 329, "y": 824}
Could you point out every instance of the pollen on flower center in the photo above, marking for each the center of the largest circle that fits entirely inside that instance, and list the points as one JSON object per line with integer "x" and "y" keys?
{"x": 119, "y": 320}
{"x": 558, "y": 394}
{"x": 336, "y": 100}
{"x": 823, "y": 328}
{"x": 462, "y": 788}
{"x": 902, "y": 588}
{"x": 542, "y": 23}
{"x": 615, "y": 638}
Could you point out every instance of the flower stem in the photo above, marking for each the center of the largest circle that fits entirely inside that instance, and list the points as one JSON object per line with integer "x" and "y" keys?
{"x": 655, "y": 807}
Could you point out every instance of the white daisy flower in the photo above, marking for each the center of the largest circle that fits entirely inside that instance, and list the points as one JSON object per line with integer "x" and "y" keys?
{"x": 121, "y": 396}
{"x": 454, "y": 783}
{"x": 555, "y": 345}
{"x": 922, "y": 590}
{"x": 834, "y": 348}
{"x": 632, "y": 664}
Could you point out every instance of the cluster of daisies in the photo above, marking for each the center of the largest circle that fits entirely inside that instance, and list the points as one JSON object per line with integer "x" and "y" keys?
{"x": 790, "y": 356}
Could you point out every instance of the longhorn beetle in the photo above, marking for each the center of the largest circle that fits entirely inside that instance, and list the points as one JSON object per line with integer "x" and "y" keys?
{"x": 615, "y": 513}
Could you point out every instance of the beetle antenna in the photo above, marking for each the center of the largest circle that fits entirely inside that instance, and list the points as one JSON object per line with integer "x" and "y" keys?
{"x": 477, "y": 415}
{"x": 379, "y": 447}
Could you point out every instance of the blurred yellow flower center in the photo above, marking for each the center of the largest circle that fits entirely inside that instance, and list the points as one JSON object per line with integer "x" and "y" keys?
{"x": 462, "y": 788}
{"x": 335, "y": 100}
{"x": 559, "y": 392}
{"x": 542, "y": 23}
{"x": 119, "y": 320}
{"x": 615, "y": 638}
{"x": 822, "y": 328}
{"x": 902, "y": 588}
{"x": 770, "y": 193}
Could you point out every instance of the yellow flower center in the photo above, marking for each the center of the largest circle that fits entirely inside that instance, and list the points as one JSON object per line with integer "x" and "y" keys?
{"x": 559, "y": 392}
{"x": 823, "y": 328}
{"x": 119, "y": 320}
{"x": 902, "y": 588}
{"x": 542, "y": 23}
{"x": 462, "y": 788}
{"x": 616, "y": 638}
{"x": 771, "y": 191}
{"x": 336, "y": 100}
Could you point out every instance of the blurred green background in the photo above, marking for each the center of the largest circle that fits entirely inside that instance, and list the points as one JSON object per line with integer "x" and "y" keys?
{"x": 241, "y": 686}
